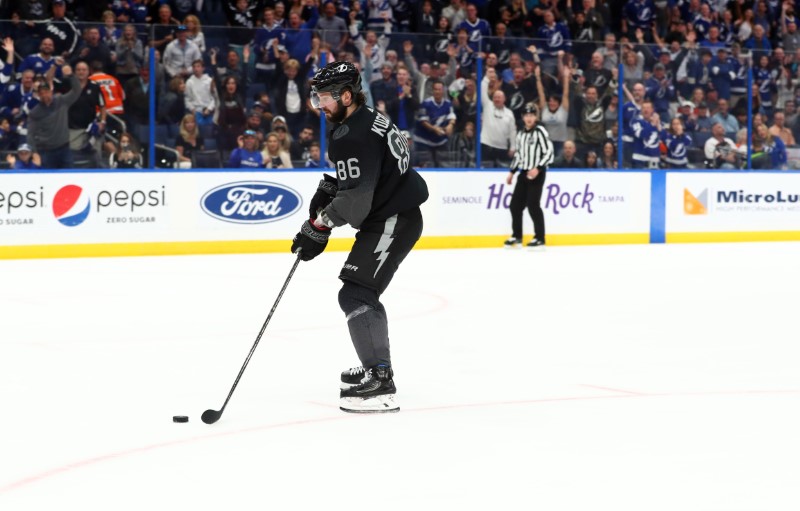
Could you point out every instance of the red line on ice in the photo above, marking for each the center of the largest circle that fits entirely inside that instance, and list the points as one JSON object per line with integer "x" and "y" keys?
{"x": 15, "y": 485}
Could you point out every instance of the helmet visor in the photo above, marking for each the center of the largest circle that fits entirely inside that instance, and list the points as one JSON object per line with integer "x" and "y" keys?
{"x": 325, "y": 99}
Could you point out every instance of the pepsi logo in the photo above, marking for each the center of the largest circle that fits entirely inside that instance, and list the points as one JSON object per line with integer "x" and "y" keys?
{"x": 71, "y": 205}
{"x": 251, "y": 202}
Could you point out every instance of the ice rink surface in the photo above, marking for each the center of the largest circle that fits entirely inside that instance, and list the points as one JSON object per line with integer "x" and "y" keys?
{"x": 661, "y": 377}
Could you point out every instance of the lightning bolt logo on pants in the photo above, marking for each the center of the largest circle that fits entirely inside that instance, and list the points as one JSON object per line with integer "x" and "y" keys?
{"x": 382, "y": 249}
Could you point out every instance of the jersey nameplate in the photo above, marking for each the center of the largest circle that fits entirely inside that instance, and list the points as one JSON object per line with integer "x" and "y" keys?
{"x": 380, "y": 125}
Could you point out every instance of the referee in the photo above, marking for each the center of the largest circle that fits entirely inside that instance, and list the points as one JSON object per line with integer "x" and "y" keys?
{"x": 534, "y": 154}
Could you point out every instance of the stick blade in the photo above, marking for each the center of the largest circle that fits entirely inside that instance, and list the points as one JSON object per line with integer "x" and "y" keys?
{"x": 210, "y": 416}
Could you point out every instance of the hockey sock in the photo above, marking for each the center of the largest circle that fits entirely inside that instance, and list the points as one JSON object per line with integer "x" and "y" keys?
{"x": 366, "y": 320}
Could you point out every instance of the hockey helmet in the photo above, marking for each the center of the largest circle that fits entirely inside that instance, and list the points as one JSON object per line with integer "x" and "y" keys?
{"x": 531, "y": 108}
{"x": 334, "y": 78}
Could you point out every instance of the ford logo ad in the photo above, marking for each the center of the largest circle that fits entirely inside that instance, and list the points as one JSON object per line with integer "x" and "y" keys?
{"x": 251, "y": 202}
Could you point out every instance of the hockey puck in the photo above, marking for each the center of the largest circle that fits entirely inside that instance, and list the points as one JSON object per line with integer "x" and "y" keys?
{"x": 180, "y": 418}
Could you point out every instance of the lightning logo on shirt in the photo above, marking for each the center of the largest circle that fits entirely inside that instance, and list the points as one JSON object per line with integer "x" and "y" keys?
{"x": 556, "y": 40}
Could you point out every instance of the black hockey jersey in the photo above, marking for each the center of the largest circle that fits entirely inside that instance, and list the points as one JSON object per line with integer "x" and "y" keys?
{"x": 372, "y": 162}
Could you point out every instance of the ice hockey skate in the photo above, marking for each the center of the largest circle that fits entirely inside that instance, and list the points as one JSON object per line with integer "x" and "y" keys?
{"x": 535, "y": 245}
{"x": 512, "y": 242}
{"x": 354, "y": 376}
{"x": 375, "y": 395}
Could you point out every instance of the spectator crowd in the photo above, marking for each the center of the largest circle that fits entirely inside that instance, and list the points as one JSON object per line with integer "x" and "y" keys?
{"x": 232, "y": 78}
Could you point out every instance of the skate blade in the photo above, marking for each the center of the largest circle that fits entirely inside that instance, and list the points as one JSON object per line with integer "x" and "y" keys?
{"x": 386, "y": 403}
{"x": 512, "y": 247}
{"x": 540, "y": 248}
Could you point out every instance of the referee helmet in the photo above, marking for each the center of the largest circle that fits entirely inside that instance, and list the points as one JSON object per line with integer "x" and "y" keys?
{"x": 531, "y": 108}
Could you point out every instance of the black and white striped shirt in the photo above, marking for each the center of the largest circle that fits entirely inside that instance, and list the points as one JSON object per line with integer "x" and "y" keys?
{"x": 534, "y": 149}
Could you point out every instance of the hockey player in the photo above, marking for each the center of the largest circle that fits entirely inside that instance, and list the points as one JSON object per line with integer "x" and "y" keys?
{"x": 376, "y": 192}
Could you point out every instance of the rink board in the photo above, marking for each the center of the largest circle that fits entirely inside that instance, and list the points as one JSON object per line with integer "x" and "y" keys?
{"x": 146, "y": 213}
{"x": 732, "y": 207}
{"x": 102, "y": 213}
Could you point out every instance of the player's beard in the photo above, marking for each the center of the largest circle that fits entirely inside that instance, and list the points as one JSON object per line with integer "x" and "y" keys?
{"x": 338, "y": 116}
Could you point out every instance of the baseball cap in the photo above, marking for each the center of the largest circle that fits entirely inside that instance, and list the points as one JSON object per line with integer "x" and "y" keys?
{"x": 59, "y": 2}
{"x": 181, "y": 28}
{"x": 254, "y": 113}
{"x": 249, "y": 133}
{"x": 703, "y": 105}
{"x": 658, "y": 67}
{"x": 530, "y": 108}
{"x": 282, "y": 48}
{"x": 687, "y": 103}
{"x": 279, "y": 118}
{"x": 24, "y": 147}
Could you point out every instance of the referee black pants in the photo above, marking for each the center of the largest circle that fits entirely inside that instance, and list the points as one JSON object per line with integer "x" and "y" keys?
{"x": 528, "y": 194}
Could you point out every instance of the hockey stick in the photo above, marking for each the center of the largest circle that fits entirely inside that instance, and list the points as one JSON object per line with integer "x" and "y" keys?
{"x": 212, "y": 416}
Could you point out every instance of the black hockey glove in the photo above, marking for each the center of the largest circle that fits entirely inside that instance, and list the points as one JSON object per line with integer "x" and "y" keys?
{"x": 326, "y": 191}
{"x": 311, "y": 240}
